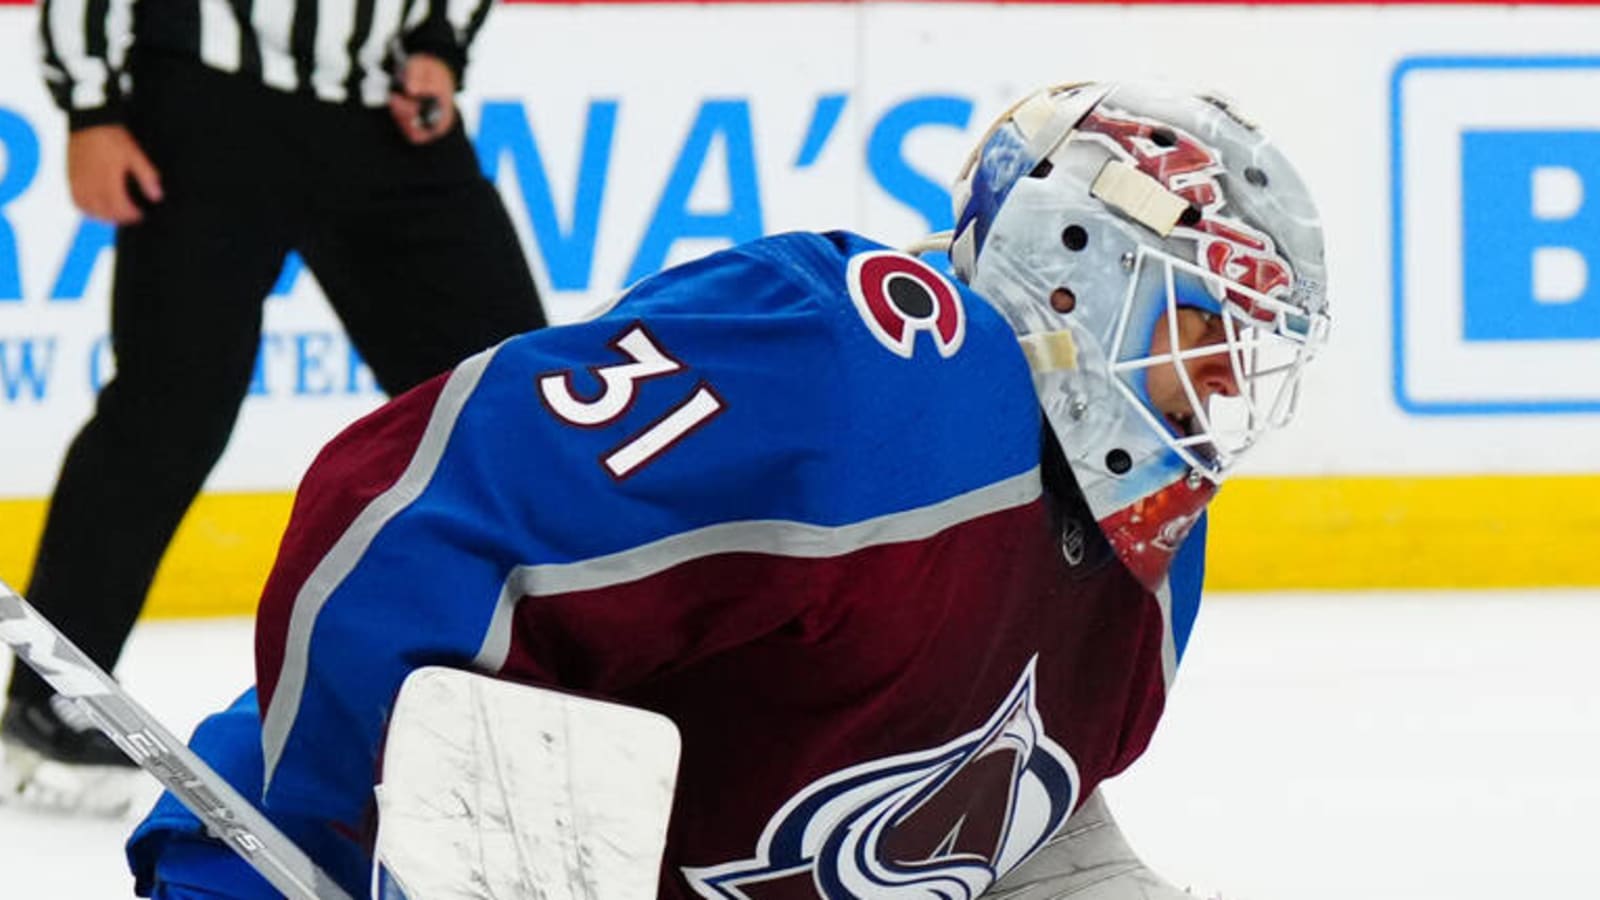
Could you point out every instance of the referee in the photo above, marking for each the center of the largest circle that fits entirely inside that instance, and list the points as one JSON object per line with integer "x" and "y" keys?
{"x": 219, "y": 136}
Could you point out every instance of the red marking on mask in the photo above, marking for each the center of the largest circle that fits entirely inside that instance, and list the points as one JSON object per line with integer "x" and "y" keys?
{"x": 1188, "y": 168}
{"x": 1146, "y": 533}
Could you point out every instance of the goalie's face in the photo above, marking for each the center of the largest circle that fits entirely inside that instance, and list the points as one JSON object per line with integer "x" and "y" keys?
{"x": 1218, "y": 366}
{"x": 1209, "y": 374}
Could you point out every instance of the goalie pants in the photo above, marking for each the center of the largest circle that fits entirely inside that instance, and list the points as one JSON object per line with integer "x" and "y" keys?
{"x": 411, "y": 246}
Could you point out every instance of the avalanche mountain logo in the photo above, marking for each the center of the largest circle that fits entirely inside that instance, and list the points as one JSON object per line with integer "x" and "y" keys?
{"x": 942, "y": 823}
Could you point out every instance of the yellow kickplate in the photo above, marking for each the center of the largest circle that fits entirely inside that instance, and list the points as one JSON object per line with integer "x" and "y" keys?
{"x": 215, "y": 567}
{"x": 1491, "y": 531}
{"x": 1267, "y": 534}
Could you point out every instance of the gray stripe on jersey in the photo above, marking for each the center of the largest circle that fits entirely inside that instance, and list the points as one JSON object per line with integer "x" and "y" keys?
{"x": 1169, "y": 644}
{"x": 352, "y": 545}
{"x": 770, "y": 536}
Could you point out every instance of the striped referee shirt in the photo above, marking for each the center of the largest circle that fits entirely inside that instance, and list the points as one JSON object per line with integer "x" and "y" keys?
{"x": 340, "y": 51}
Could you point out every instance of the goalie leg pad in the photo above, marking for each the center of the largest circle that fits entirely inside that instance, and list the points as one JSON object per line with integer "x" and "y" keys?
{"x": 1088, "y": 859}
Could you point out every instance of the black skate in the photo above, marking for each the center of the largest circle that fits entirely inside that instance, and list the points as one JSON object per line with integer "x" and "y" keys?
{"x": 54, "y": 759}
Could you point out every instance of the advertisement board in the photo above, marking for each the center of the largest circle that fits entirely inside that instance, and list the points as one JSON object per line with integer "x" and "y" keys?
{"x": 1448, "y": 435}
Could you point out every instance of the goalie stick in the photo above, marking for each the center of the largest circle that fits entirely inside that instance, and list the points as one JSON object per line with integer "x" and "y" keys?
{"x": 147, "y": 742}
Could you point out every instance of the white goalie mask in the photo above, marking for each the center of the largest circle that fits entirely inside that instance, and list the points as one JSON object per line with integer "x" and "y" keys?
{"x": 1090, "y": 215}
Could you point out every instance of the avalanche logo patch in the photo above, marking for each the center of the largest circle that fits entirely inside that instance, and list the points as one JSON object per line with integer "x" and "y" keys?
{"x": 943, "y": 823}
{"x": 898, "y": 296}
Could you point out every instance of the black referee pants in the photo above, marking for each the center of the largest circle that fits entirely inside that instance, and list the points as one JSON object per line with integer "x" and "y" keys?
{"x": 410, "y": 244}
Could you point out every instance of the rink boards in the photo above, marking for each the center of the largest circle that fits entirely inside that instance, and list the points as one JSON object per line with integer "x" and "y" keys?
{"x": 1446, "y": 437}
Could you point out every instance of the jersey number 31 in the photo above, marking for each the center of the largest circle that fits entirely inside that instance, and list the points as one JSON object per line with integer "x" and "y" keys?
{"x": 619, "y": 387}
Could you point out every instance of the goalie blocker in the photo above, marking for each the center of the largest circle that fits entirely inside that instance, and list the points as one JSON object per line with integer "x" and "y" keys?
{"x": 495, "y": 789}
{"x": 488, "y": 788}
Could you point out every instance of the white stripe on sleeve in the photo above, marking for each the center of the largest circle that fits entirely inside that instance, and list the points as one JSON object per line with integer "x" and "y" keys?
{"x": 119, "y": 33}
{"x": 460, "y": 13}
{"x": 69, "y": 33}
{"x": 273, "y": 24}
{"x": 219, "y": 35}
{"x": 375, "y": 86}
{"x": 336, "y": 19}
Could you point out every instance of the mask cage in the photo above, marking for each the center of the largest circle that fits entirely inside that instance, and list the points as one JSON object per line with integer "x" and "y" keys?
{"x": 1267, "y": 342}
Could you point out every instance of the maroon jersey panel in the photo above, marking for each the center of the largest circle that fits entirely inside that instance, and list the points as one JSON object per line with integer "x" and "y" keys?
{"x": 940, "y": 684}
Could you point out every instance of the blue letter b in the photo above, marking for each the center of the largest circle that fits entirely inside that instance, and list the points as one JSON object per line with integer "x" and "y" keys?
{"x": 1530, "y": 243}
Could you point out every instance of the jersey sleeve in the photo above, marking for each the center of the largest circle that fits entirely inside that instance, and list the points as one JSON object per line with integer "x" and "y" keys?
{"x": 169, "y": 853}
{"x": 83, "y": 48}
{"x": 173, "y": 856}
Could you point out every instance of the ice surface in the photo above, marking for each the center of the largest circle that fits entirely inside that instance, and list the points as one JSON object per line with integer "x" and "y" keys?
{"x": 1439, "y": 746}
{"x": 1429, "y": 746}
{"x": 180, "y": 672}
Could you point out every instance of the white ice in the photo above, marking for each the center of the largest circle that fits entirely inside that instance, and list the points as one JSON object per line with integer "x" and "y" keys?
{"x": 1426, "y": 746}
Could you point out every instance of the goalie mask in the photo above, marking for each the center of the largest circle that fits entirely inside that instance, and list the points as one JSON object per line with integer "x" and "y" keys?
{"x": 1162, "y": 265}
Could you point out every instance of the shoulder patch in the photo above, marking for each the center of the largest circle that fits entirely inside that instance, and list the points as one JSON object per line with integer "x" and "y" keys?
{"x": 899, "y": 295}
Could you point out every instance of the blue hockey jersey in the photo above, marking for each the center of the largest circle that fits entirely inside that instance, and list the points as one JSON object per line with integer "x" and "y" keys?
{"x": 788, "y": 495}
